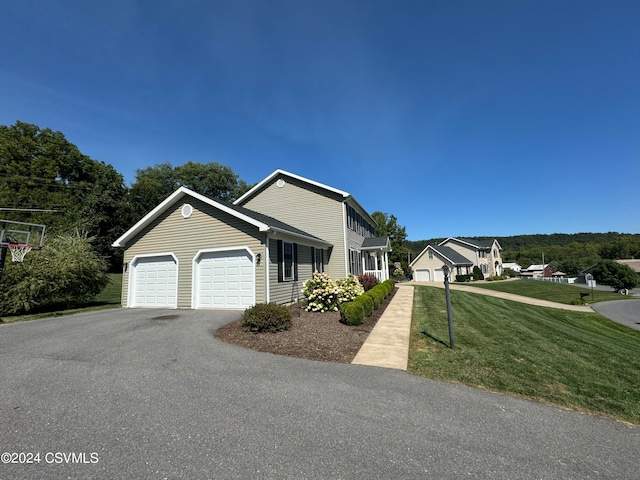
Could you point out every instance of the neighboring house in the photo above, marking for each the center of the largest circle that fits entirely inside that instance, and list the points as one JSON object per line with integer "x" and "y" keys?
{"x": 195, "y": 252}
{"x": 512, "y": 265}
{"x": 427, "y": 266}
{"x": 537, "y": 271}
{"x": 634, "y": 264}
{"x": 461, "y": 255}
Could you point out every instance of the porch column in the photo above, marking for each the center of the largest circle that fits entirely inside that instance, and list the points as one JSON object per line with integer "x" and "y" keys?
{"x": 385, "y": 266}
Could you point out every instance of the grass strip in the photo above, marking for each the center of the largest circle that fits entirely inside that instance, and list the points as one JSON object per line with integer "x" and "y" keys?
{"x": 581, "y": 361}
{"x": 554, "y": 292}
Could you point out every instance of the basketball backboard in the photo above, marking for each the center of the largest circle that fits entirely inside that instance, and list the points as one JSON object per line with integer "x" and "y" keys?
{"x": 22, "y": 233}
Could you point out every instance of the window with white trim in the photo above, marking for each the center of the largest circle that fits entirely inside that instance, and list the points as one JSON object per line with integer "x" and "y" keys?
{"x": 318, "y": 263}
{"x": 287, "y": 261}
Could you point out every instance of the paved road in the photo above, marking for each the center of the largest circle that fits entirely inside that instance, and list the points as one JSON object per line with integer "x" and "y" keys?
{"x": 153, "y": 395}
{"x": 626, "y": 312}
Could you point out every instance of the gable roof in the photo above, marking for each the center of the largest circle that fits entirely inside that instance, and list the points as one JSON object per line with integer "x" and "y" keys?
{"x": 376, "y": 242}
{"x": 473, "y": 242}
{"x": 259, "y": 186}
{"x": 447, "y": 253}
{"x": 263, "y": 223}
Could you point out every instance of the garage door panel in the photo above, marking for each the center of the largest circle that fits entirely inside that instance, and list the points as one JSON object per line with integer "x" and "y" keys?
{"x": 155, "y": 282}
{"x": 422, "y": 275}
{"x": 225, "y": 279}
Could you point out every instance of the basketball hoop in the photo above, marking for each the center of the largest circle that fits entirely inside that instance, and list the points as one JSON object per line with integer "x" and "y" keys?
{"x": 18, "y": 251}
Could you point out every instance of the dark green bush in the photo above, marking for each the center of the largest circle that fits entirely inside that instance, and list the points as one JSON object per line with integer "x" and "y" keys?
{"x": 367, "y": 304}
{"x": 266, "y": 317}
{"x": 577, "y": 301}
{"x": 389, "y": 285}
{"x": 377, "y": 296}
{"x": 477, "y": 273}
{"x": 463, "y": 278}
{"x": 352, "y": 313}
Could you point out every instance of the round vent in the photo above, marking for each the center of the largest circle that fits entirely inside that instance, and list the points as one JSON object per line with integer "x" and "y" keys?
{"x": 187, "y": 210}
{"x": 280, "y": 183}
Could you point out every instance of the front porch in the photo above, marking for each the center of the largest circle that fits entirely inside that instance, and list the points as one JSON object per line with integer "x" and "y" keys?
{"x": 375, "y": 258}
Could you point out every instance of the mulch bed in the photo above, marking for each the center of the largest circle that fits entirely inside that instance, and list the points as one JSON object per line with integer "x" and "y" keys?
{"x": 315, "y": 336}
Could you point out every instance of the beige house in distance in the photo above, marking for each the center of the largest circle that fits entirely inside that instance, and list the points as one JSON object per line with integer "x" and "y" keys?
{"x": 460, "y": 255}
{"x": 195, "y": 252}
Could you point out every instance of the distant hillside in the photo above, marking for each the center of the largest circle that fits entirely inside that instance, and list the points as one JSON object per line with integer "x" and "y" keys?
{"x": 542, "y": 240}
{"x": 569, "y": 253}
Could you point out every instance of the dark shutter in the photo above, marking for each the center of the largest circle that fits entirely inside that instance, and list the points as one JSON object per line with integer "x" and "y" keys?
{"x": 279, "y": 260}
{"x": 295, "y": 261}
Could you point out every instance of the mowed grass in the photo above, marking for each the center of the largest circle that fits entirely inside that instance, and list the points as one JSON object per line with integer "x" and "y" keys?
{"x": 581, "y": 361}
{"x": 555, "y": 292}
{"x": 108, "y": 298}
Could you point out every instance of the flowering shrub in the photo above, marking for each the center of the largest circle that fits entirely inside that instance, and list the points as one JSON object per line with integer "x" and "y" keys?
{"x": 324, "y": 294}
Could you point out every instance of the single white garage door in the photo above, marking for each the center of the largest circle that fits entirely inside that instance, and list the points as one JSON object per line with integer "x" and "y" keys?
{"x": 225, "y": 280}
{"x": 438, "y": 275}
{"x": 155, "y": 282}
{"x": 422, "y": 276}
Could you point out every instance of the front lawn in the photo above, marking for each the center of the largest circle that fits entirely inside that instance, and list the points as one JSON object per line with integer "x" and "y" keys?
{"x": 554, "y": 292}
{"x": 577, "y": 360}
{"x": 108, "y": 298}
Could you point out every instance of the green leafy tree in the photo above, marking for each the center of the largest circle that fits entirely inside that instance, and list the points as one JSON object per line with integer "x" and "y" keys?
{"x": 615, "y": 275}
{"x": 153, "y": 184}
{"x": 65, "y": 272}
{"x": 41, "y": 169}
{"x": 387, "y": 226}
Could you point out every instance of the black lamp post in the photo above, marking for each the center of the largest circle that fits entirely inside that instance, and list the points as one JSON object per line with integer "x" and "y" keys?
{"x": 446, "y": 270}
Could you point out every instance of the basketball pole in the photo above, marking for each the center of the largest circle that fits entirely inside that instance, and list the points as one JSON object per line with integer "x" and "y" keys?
{"x": 3, "y": 257}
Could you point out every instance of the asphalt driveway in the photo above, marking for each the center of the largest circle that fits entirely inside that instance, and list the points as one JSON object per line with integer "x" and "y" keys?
{"x": 626, "y": 312}
{"x": 151, "y": 394}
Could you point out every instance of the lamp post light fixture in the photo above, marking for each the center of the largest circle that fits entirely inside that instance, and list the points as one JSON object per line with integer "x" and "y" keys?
{"x": 446, "y": 270}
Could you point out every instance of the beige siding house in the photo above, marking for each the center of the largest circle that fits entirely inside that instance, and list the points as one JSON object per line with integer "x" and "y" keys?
{"x": 327, "y": 213}
{"x": 460, "y": 255}
{"x": 195, "y": 252}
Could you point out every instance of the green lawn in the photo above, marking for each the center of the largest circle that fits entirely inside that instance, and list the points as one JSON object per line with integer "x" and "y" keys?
{"x": 555, "y": 292}
{"x": 108, "y": 298}
{"x": 577, "y": 360}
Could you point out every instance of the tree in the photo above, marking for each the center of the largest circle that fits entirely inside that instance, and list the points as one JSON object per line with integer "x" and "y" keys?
{"x": 153, "y": 184}
{"x": 40, "y": 169}
{"x": 387, "y": 226}
{"x": 66, "y": 271}
{"x": 615, "y": 275}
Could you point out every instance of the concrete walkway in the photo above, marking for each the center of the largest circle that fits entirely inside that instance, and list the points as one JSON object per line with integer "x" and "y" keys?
{"x": 388, "y": 343}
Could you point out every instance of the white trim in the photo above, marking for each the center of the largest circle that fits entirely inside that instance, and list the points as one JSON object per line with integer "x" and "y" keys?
{"x": 345, "y": 240}
{"x": 179, "y": 193}
{"x": 297, "y": 177}
{"x": 194, "y": 270}
{"x": 132, "y": 279}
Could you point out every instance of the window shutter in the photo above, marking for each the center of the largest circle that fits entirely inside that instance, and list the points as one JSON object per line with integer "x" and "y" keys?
{"x": 280, "y": 260}
{"x": 295, "y": 261}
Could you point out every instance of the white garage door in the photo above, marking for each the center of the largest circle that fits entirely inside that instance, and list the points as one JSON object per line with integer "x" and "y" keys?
{"x": 438, "y": 275}
{"x": 422, "y": 276}
{"x": 225, "y": 280}
{"x": 155, "y": 282}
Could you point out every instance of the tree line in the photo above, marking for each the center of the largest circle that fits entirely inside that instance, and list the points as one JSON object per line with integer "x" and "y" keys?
{"x": 45, "y": 179}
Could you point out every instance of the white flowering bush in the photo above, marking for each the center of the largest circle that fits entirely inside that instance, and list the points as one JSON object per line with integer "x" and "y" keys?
{"x": 325, "y": 295}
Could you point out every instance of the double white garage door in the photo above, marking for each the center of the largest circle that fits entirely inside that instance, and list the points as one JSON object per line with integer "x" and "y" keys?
{"x": 425, "y": 275}
{"x": 221, "y": 279}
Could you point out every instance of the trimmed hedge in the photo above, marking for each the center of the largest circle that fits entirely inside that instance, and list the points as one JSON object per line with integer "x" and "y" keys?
{"x": 266, "y": 317}
{"x": 355, "y": 311}
{"x": 352, "y": 313}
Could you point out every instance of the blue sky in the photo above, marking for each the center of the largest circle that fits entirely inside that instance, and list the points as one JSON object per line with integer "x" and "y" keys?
{"x": 461, "y": 118}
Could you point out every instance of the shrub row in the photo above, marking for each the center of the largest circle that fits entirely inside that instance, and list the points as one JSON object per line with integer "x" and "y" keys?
{"x": 496, "y": 277}
{"x": 355, "y": 311}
